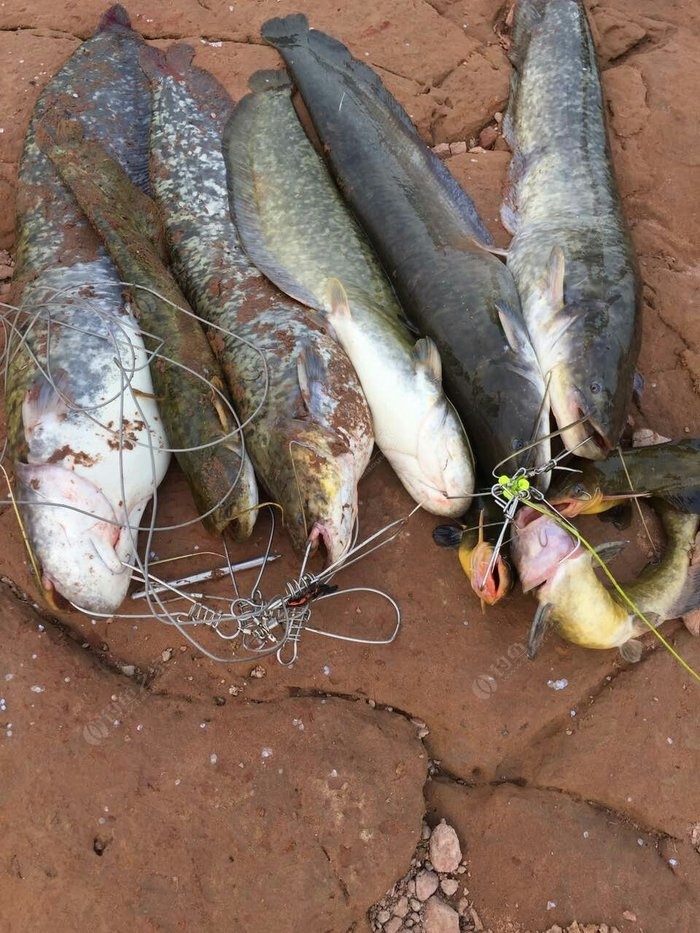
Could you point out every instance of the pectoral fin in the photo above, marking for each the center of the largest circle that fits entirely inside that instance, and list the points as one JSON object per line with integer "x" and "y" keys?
{"x": 513, "y": 328}
{"x": 610, "y": 550}
{"x": 427, "y": 358}
{"x": 448, "y": 535}
{"x": 631, "y": 650}
{"x": 337, "y": 300}
{"x": 540, "y": 625}
{"x": 313, "y": 377}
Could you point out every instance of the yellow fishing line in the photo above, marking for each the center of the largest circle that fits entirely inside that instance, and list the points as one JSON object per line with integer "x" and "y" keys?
{"x": 617, "y": 587}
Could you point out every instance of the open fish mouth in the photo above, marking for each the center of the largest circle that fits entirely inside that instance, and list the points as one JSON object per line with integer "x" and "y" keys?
{"x": 580, "y": 429}
{"x": 490, "y": 585}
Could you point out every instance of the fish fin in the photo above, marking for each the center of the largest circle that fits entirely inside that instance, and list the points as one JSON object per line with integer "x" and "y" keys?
{"x": 107, "y": 554}
{"x": 619, "y": 515}
{"x": 540, "y": 625}
{"x": 426, "y": 357}
{"x": 338, "y": 299}
{"x": 270, "y": 79}
{"x": 631, "y": 650}
{"x": 685, "y": 500}
{"x": 409, "y": 325}
{"x": 293, "y": 32}
{"x": 689, "y": 598}
{"x": 488, "y": 248}
{"x": 45, "y": 397}
{"x": 115, "y": 16}
{"x": 172, "y": 62}
{"x": 638, "y": 388}
{"x": 553, "y": 282}
{"x": 242, "y": 184}
{"x": 513, "y": 329}
{"x": 312, "y": 373}
{"x": 449, "y": 536}
{"x": 610, "y": 550}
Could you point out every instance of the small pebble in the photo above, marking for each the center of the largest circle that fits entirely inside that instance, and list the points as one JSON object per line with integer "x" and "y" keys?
{"x": 258, "y": 672}
{"x": 449, "y": 886}
{"x": 629, "y": 915}
{"x": 442, "y": 150}
{"x": 402, "y": 908}
{"x": 558, "y": 684}
{"x": 458, "y": 148}
{"x": 383, "y": 916}
{"x": 488, "y": 136}
{"x": 439, "y": 917}
{"x": 445, "y": 851}
{"x": 393, "y": 925}
{"x": 551, "y": 905}
{"x": 234, "y": 691}
{"x": 167, "y": 654}
{"x": 426, "y": 885}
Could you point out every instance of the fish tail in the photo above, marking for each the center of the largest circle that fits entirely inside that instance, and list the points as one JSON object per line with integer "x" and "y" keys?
{"x": 270, "y": 79}
{"x": 116, "y": 16}
{"x": 689, "y": 599}
{"x": 285, "y": 31}
{"x": 174, "y": 62}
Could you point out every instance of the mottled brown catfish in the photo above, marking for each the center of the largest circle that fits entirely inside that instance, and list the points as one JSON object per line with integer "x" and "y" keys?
{"x": 197, "y": 417}
{"x": 307, "y": 425}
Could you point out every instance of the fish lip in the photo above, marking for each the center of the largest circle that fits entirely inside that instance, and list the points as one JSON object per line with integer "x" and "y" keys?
{"x": 580, "y": 430}
{"x": 493, "y": 587}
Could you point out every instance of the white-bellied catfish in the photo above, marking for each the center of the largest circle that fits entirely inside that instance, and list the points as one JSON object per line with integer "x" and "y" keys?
{"x": 297, "y": 229}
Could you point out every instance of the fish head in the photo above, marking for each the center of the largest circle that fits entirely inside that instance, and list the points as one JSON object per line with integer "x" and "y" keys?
{"x": 490, "y": 578}
{"x": 82, "y": 551}
{"x": 317, "y": 488}
{"x": 440, "y": 476}
{"x": 579, "y": 499}
{"x": 540, "y": 545}
{"x": 590, "y": 390}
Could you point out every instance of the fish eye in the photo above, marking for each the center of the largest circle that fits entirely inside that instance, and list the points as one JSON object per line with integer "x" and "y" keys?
{"x": 595, "y": 387}
{"x": 516, "y": 444}
{"x": 579, "y": 490}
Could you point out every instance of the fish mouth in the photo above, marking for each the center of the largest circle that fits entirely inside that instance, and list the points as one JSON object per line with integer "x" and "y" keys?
{"x": 489, "y": 585}
{"x": 579, "y": 427}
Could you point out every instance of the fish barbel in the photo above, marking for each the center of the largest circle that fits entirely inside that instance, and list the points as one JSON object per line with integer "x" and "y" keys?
{"x": 575, "y": 601}
{"x": 85, "y": 437}
{"x": 669, "y": 471}
{"x": 297, "y": 230}
{"x": 571, "y": 253}
{"x": 306, "y": 422}
{"x": 430, "y": 239}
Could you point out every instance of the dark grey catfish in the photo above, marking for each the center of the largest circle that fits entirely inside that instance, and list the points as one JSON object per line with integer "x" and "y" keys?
{"x": 571, "y": 253}
{"x": 424, "y": 228}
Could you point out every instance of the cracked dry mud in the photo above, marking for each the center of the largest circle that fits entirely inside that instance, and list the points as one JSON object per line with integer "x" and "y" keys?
{"x": 147, "y": 787}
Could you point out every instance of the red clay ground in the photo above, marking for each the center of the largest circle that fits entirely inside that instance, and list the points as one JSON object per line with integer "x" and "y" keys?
{"x": 293, "y": 801}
